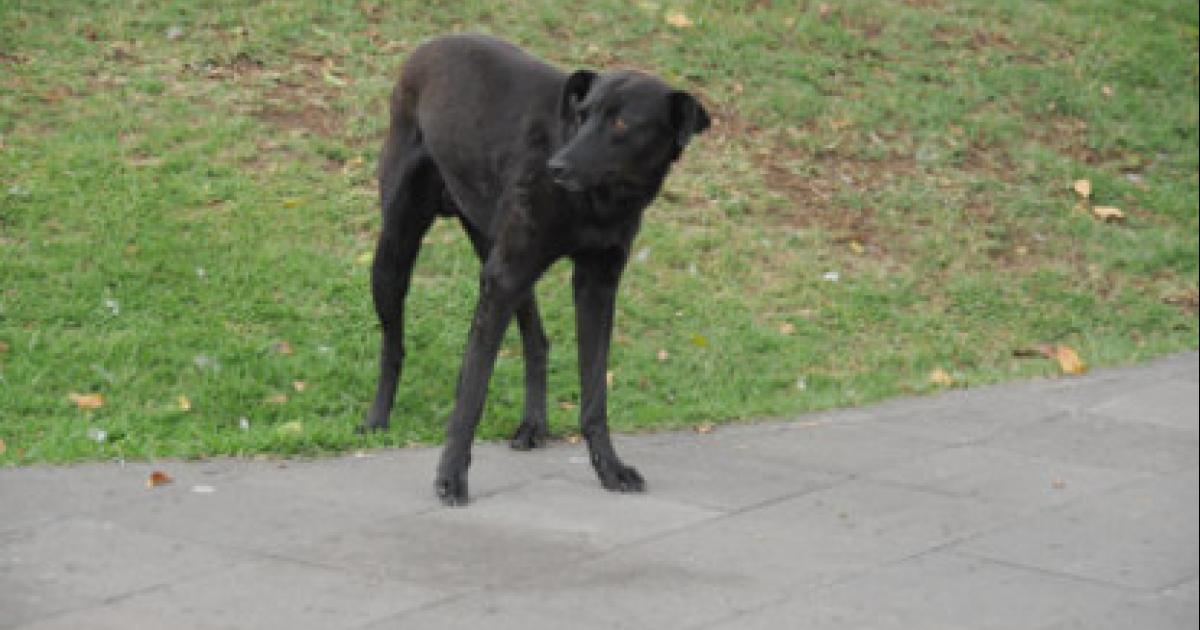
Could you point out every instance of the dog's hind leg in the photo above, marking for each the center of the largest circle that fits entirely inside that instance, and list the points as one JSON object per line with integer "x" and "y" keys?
{"x": 534, "y": 429}
{"x": 410, "y": 190}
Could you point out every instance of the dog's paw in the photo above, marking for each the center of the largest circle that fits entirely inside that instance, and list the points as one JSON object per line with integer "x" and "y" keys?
{"x": 620, "y": 478}
{"x": 528, "y": 437}
{"x": 452, "y": 490}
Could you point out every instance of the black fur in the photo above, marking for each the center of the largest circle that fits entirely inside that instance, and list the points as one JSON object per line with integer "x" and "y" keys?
{"x": 536, "y": 165}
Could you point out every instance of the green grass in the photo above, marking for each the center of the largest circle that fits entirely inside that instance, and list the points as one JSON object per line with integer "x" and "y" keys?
{"x": 173, "y": 208}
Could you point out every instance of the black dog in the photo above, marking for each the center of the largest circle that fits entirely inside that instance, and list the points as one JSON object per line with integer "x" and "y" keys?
{"x": 536, "y": 165}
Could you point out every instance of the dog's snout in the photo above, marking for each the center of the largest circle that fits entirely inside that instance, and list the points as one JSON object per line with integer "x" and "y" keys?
{"x": 558, "y": 168}
{"x": 563, "y": 174}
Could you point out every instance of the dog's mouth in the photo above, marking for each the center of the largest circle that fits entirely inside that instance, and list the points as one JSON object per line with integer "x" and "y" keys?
{"x": 571, "y": 184}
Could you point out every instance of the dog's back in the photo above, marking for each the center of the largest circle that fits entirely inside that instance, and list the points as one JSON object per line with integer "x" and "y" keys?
{"x": 470, "y": 98}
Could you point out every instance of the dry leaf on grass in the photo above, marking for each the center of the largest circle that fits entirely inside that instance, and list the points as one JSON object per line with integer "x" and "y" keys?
{"x": 704, "y": 428}
{"x": 663, "y": 355}
{"x": 184, "y": 403}
{"x": 277, "y": 399}
{"x": 283, "y": 347}
{"x": 1083, "y": 188}
{"x": 294, "y": 427}
{"x": 158, "y": 478}
{"x": 299, "y": 385}
{"x": 1109, "y": 214}
{"x": 1068, "y": 360}
{"x": 787, "y": 328}
{"x": 87, "y": 402}
{"x": 3, "y": 446}
{"x": 678, "y": 19}
{"x": 941, "y": 378}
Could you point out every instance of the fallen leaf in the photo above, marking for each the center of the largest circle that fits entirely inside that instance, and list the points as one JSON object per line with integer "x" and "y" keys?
{"x": 292, "y": 202}
{"x": 277, "y": 399}
{"x": 699, "y": 340}
{"x": 334, "y": 80}
{"x": 824, "y": 10}
{"x": 704, "y": 428}
{"x": 158, "y": 478}
{"x": 1083, "y": 188}
{"x": 184, "y": 403}
{"x": 787, "y": 328}
{"x": 1107, "y": 90}
{"x": 3, "y": 346}
{"x": 3, "y": 446}
{"x": 299, "y": 385}
{"x": 293, "y": 427}
{"x": 1058, "y": 484}
{"x": 365, "y": 258}
{"x": 87, "y": 402}
{"x": 352, "y": 164}
{"x": 941, "y": 377}
{"x": 566, "y": 404}
{"x": 608, "y": 379}
{"x": 574, "y": 438}
{"x": 663, "y": 355}
{"x": 1108, "y": 213}
{"x": 1187, "y": 299}
{"x": 1069, "y": 361}
{"x": 283, "y": 347}
{"x": 678, "y": 19}
{"x": 857, "y": 247}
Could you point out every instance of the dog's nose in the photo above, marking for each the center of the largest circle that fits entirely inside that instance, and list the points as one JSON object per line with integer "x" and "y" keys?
{"x": 563, "y": 175}
{"x": 558, "y": 169}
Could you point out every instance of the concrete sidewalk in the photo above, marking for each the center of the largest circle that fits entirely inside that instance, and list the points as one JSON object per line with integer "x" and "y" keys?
{"x": 1067, "y": 503}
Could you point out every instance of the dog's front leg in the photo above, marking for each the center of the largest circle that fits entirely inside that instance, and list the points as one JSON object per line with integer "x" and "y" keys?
{"x": 595, "y": 287}
{"x": 501, "y": 287}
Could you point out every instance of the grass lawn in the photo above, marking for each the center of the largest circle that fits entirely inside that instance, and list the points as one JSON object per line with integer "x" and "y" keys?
{"x": 187, "y": 210}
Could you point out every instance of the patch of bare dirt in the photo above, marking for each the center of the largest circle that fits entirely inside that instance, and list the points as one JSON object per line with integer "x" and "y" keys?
{"x": 302, "y": 100}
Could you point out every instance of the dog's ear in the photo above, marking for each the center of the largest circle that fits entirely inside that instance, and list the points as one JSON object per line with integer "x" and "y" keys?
{"x": 574, "y": 91}
{"x": 688, "y": 117}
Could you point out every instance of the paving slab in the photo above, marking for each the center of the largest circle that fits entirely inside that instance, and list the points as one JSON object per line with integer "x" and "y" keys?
{"x": 1143, "y": 535}
{"x": 938, "y": 590}
{"x": 1003, "y": 476}
{"x": 1047, "y": 504}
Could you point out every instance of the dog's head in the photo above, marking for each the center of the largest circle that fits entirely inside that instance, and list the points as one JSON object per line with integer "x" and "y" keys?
{"x": 622, "y": 130}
